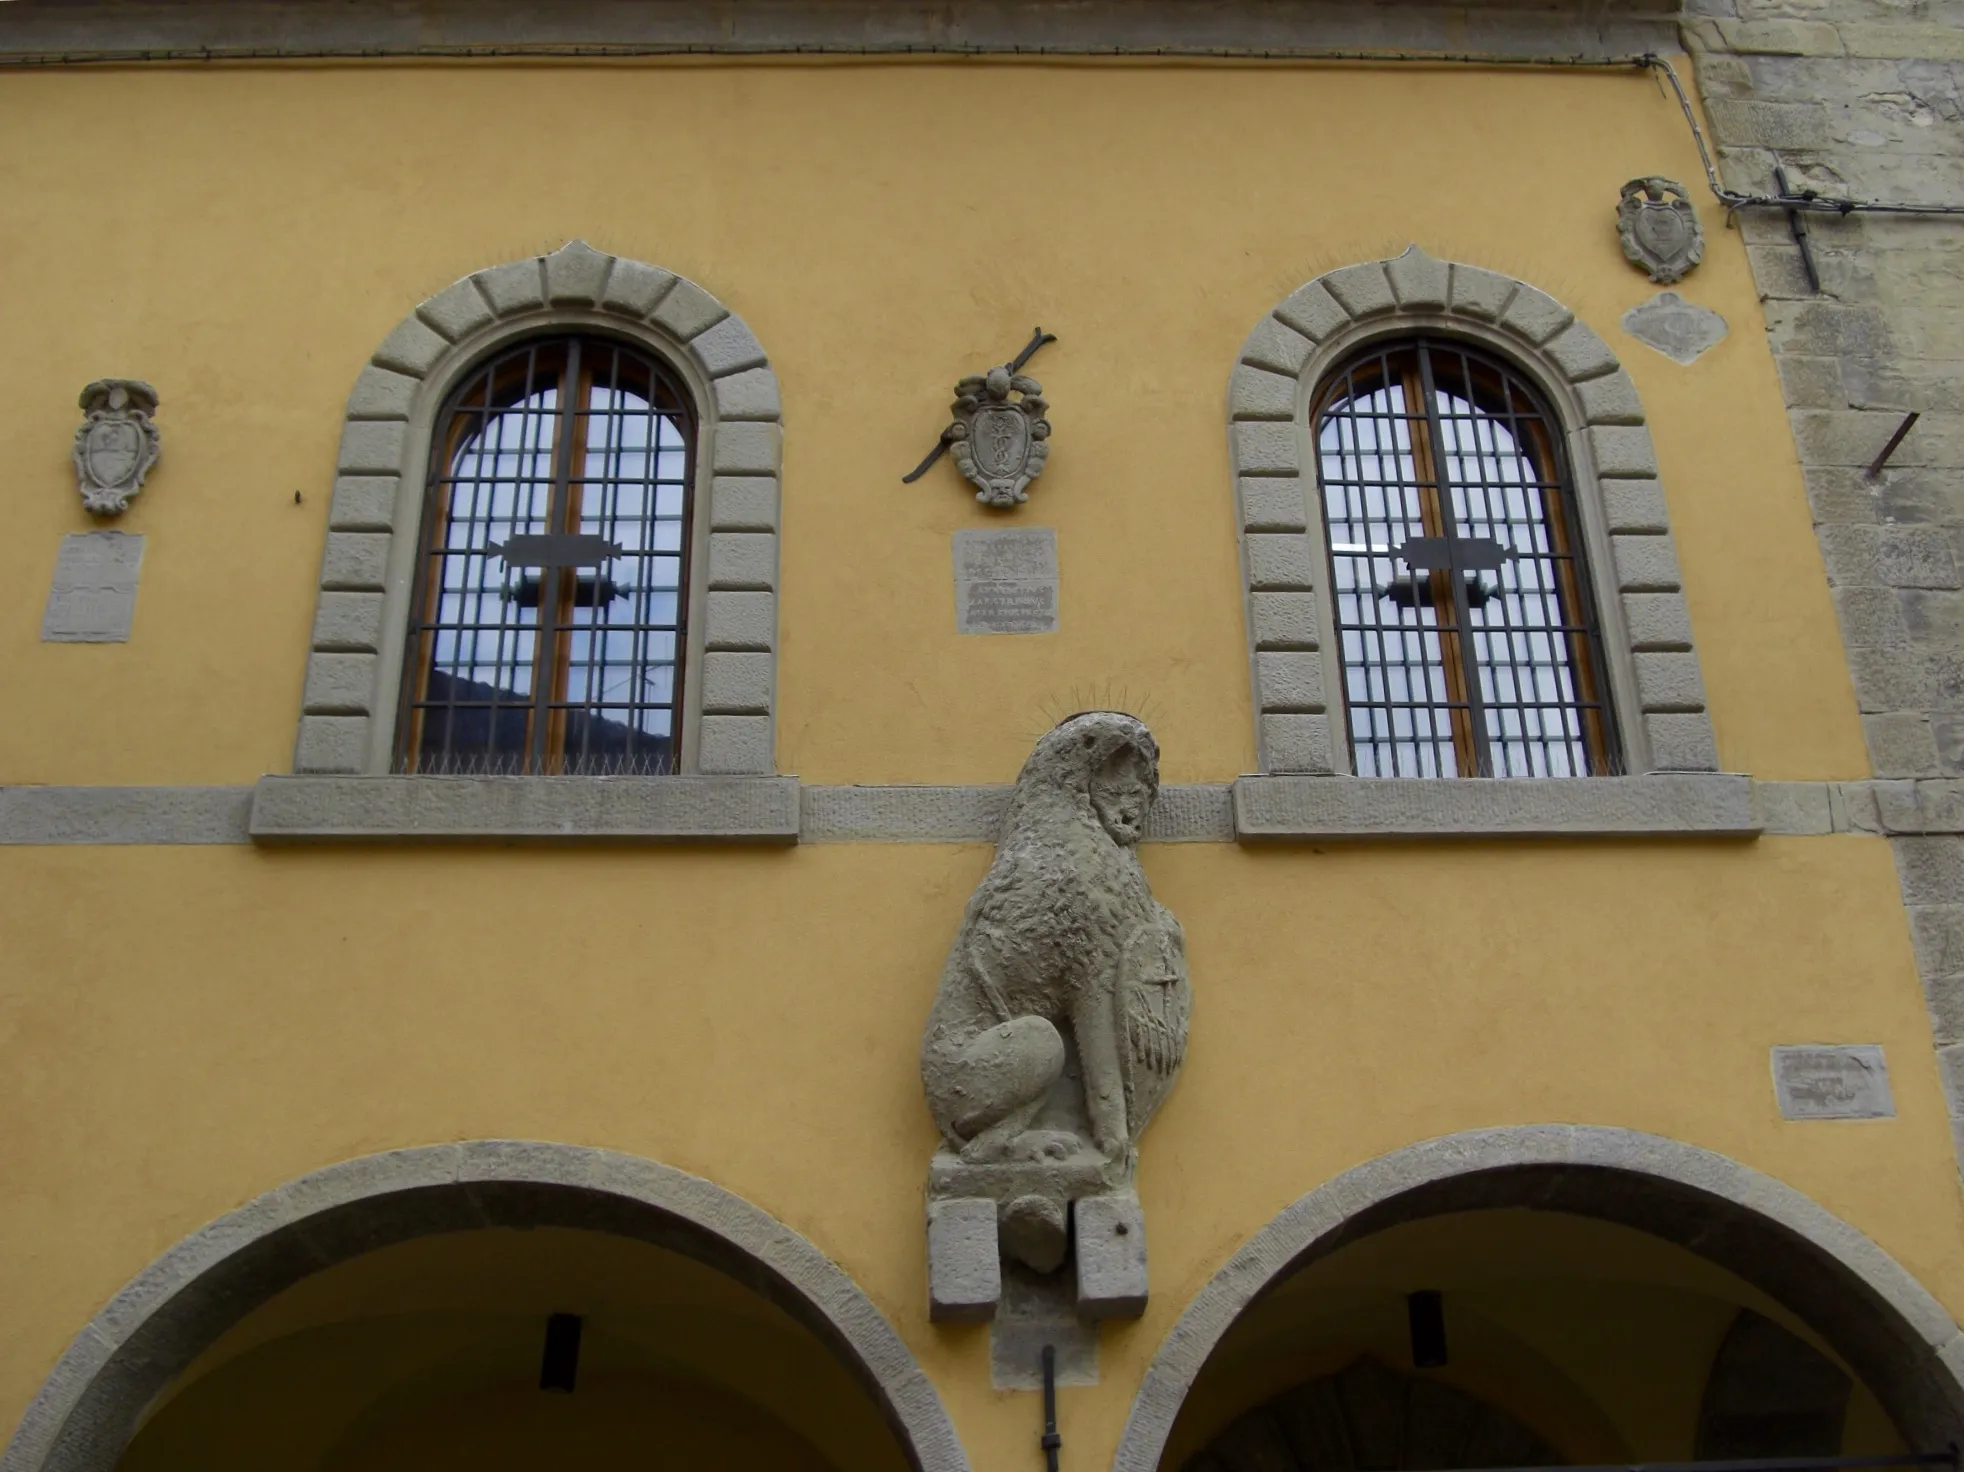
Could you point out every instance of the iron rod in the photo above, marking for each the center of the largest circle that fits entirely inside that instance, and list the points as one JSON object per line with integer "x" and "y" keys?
{"x": 1902, "y": 430}
{"x": 1051, "y": 1440}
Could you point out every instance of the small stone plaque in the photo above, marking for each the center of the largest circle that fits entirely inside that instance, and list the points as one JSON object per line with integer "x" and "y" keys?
{"x": 1849, "y": 1081}
{"x": 94, "y": 592}
{"x": 1006, "y": 581}
{"x": 1678, "y": 329}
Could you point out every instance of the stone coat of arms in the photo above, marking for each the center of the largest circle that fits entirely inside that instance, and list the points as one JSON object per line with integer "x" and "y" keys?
{"x": 117, "y": 443}
{"x": 1000, "y": 442}
{"x": 1659, "y": 228}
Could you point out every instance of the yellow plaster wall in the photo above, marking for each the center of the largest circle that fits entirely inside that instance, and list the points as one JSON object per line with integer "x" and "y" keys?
{"x": 187, "y": 1028}
{"x": 884, "y": 227}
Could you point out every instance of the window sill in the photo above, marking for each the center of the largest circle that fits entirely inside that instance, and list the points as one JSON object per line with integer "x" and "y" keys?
{"x": 519, "y": 809}
{"x": 1660, "y": 805}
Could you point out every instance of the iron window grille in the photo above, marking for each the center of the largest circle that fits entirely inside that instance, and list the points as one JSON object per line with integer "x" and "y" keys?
{"x": 1467, "y": 629}
{"x": 549, "y": 619}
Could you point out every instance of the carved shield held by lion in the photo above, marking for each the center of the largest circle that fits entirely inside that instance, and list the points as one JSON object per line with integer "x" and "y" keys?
{"x": 1154, "y": 1002}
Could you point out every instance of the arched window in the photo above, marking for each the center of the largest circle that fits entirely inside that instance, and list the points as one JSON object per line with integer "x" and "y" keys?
{"x": 547, "y": 627}
{"x": 1466, "y": 627}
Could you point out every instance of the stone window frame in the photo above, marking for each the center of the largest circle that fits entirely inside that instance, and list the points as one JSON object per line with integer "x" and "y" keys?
{"x": 1657, "y": 693}
{"x": 356, "y": 651}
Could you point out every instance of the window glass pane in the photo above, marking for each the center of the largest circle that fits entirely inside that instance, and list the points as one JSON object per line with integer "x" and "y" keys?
{"x": 1482, "y": 658}
{"x": 563, "y": 656}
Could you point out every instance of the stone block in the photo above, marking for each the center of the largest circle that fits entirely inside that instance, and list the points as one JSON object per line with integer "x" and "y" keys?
{"x": 728, "y": 347}
{"x": 634, "y": 289}
{"x": 413, "y": 348}
{"x": 1850, "y": 1081}
{"x": 1916, "y": 557}
{"x": 1272, "y": 504}
{"x": 576, "y": 274}
{"x": 964, "y": 1268}
{"x": 1852, "y": 553}
{"x": 1669, "y": 682}
{"x": 1313, "y": 807}
{"x": 737, "y": 684}
{"x": 742, "y": 560}
{"x": 348, "y": 622}
{"x": 1885, "y": 681}
{"x": 92, "y": 598}
{"x": 1806, "y": 383}
{"x": 1296, "y": 743}
{"x": 1781, "y": 125}
{"x": 1480, "y": 293}
{"x": 1535, "y": 315}
{"x": 1622, "y": 450}
{"x": 1931, "y": 869}
{"x": 1944, "y": 996}
{"x": 1362, "y": 290}
{"x": 1922, "y": 41}
{"x": 1839, "y": 496}
{"x": 1264, "y": 447}
{"x": 1902, "y": 744}
{"x": 1313, "y": 312}
{"x": 1110, "y": 1239}
{"x": 1256, "y": 393}
{"x": 1826, "y": 329}
{"x": 1681, "y": 743}
{"x": 458, "y": 310}
{"x": 355, "y": 561}
{"x": 746, "y": 448}
{"x": 1778, "y": 271}
{"x": 1871, "y": 616}
{"x": 1780, "y": 37}
{"x": 372, "y": 446}
{"x": 1284, "y": 620}
{"x": 1657, "y": 621}
{"x": 1288, "y": 681}
{"x": 381, "y": 393}
{"x": 1581, "y": 354}
{"x": 1280, "y": 562}
{"x": 1937, "y": 933}
{"x": 1794, "y": 807}
{"x": 740, "y": 621}
{"x": 1276, "y": 346}
{"x": 1419, "y": 282}
{"x": 363, "y": 503}
{"x": 516, "y": 287}
{"x": 339, "y": 684}
{"x": 735, "y": 746}
{"x": 1646, "y": 564}
{"x": 751, "y": 394}
{"x": 1611, "y": 399}
{"x": 743, "y": 503}
{"x": 687, "y": 310}
{"x": 1635, "y": 505}
{"x": 331, "y": 744}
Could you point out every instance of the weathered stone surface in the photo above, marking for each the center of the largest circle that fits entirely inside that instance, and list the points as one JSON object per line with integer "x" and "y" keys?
{"x": 1062, "y": 936}
{"x": 1850, "y": 1081}
{"x": 1680, "y": 330}
{"x": 1006, "y": 580}
{"x": 964, "y": 1272}
{"x": 1110, "y": 1240}
{"x": 92, "y": 599}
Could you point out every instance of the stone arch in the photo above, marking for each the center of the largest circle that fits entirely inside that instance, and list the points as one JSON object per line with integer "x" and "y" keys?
{"x": 89, "y": 1406}
{"x": 1898, "y": 1337}
{"x": 354, "y": 663}
{"x": 1654, "y": 677}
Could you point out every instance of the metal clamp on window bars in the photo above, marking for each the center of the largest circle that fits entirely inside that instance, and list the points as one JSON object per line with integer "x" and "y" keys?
{"x": 1466, "y": 556}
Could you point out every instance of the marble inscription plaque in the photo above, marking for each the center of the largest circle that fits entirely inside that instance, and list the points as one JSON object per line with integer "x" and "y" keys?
{"x": 1850, "y": 1081}
{"x": 94, "y": 592}
{"x": 1006, "y": 581}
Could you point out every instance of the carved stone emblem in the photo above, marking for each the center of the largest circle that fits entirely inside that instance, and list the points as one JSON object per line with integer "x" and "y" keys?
{"x": 117, "y": 443}
{"x": 1059, "y": 1027}
{"x": 1000, "y": 443}
{"x": 1660, "y": 229}
{"x": 1678, "y": 329}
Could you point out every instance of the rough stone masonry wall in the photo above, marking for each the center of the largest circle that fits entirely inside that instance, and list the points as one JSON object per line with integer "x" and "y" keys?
{"x": 1865, "y": 99}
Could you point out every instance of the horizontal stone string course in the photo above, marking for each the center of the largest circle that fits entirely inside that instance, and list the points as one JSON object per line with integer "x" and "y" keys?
{"x": 781, "y": 810}
{"x": 356, "y": 622}
{"x": 1276, "y": 495}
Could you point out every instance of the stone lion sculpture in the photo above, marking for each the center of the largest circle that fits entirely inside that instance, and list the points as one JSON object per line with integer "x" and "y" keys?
{"x": 1061, "y": 1018}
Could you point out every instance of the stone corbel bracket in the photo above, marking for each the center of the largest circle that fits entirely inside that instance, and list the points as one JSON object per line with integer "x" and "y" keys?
{"x": 354, "y": 669}
{"x": 1653, "y": 667}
